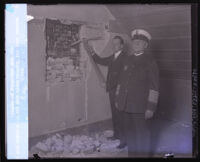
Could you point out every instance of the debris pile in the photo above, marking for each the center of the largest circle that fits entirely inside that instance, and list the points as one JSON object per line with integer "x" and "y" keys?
{"x": 76, "y": 144}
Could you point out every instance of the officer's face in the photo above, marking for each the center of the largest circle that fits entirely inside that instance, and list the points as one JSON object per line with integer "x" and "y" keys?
{"x": 139, "y": 45}
{"x": 117, "y": 45}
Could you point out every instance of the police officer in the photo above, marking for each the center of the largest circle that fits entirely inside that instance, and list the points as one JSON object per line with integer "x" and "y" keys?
{"x": 114, "y": 63}
{"x": 137, "y": 94}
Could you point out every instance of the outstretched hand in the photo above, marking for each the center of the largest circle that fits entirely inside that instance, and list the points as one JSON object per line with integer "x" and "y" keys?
{"x": 149, "y": 114}
{"x": 87, "y": 47}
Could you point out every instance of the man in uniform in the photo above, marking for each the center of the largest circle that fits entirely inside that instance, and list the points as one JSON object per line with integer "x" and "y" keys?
{"x": 137, "y": 95}
{"x": 114, "y": 63}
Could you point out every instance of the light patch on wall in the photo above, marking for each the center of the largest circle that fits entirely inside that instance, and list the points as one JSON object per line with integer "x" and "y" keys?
{"x": 111, "y": 17}
{"x": 29, "y": 18}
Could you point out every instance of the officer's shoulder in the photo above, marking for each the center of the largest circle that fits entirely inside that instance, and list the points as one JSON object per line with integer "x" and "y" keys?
{"x": 150, "y": 58}
{"x": 151, "y": 61}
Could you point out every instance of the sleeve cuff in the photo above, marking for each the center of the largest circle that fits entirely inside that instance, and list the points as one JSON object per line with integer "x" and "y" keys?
{"x": 117, "y": 90}
{"x": 151, "y": 106}
{"x": 153, "y": 96}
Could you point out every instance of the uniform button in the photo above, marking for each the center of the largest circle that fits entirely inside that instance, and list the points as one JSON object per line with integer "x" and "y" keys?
{"x": 125, "y": 67}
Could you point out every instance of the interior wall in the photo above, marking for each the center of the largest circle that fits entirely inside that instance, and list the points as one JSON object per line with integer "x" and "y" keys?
{"x": 64, "y": 105}
{"x": 170, "y": 27}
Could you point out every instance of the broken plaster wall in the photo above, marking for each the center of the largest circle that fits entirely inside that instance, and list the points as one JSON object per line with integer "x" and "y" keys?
{"x": 67, "y": 104}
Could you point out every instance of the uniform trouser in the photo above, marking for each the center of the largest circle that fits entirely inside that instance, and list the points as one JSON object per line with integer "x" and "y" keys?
{"x": 138, "y": 134}
{"x": 118, "y": 128}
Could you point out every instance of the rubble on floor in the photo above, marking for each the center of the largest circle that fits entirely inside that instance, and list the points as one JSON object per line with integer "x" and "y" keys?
{"x": 76, "y": 145}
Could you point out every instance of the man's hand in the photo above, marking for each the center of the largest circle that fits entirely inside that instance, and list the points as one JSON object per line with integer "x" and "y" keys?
{"x": 87, "y": 47}
{"x": 148, "y": 114}
{"x": 85, "y": 44}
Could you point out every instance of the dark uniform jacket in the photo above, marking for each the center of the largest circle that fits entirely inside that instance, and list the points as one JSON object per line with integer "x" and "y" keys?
{"x": 114, "y": 66}
{"x": 139, "y": 79}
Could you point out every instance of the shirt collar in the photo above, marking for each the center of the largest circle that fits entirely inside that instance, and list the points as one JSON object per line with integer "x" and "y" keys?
{"x": 117, "y": 53}
{"x": 138, "y": 54}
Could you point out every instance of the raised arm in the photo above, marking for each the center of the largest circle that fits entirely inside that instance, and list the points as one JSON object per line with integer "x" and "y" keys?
{"x": 99, "y": 60}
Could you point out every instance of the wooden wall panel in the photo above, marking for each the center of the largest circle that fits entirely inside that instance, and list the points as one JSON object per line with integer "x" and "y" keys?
{"x": 157, "y": 18}
{"x": 175, "y": 30}
{"x": 174, "y": 65}
{"x": 183, "y": 43}
{"x": 176, "y": 74}
{"x": 167, "y": 54}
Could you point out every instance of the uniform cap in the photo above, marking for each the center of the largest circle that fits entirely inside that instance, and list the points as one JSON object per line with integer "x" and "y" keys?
{"x": 140, "y": 34}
